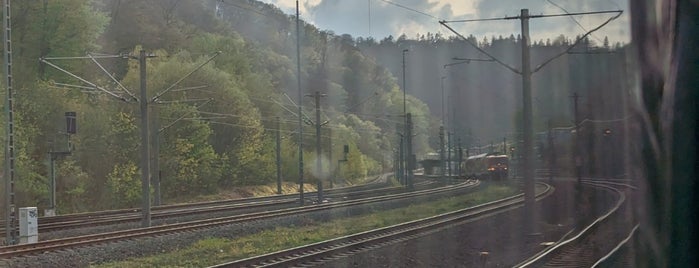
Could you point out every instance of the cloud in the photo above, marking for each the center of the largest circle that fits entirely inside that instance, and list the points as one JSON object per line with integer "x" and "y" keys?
{"x": 379, "y": 19}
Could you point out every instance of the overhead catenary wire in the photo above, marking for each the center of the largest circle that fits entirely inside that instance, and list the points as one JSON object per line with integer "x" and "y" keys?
{"x": 63, "y": 85}
{"x": 579, "y": 39}
{"x": 381, "y": 117}
{"x": 334, "y": 126}
{"x": 572, "y": 18}
{"x": 133, "y": 96}
{"x": 185, "y": 114}
{"x": 161, "y": 93}
{"x": 207, "y": 120}
{"x": 515, "y": 70}
{"x": 475, "y": 46}
{"x": 361, "y": 102}
{"x": 410, "y": 9}
{"x": 117, "y": 96}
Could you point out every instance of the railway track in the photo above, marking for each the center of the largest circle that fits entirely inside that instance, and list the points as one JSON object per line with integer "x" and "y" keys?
{"x": 102, "y": 238}
{"x": 318, "y": 253}
{"x": 177, "y": 211}
{"x": 594, "y": 242}
{"x": 619, "y": 256}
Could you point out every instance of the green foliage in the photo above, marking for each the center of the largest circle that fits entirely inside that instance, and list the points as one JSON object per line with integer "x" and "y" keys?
{"x": 52, "y": 28}
{"x": 228, "y": 142}
{"x": 190, "y": 165}
{"x": 125, "y": 185}
{"x": 356, "y": 165}
{"x": 72, "y": 188}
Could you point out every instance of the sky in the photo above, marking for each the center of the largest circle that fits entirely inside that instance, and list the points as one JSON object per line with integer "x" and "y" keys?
{"x": 380, "y": 18}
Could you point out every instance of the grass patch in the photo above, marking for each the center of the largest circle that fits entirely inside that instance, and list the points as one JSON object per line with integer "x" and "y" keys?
{"x": 213, "y": 251}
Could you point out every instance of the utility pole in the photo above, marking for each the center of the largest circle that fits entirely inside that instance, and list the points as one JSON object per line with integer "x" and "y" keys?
{"x": 318, "y": 124}
{"x": 444, "y": 123}
{"x": 145, "y": 149}
{"x": 330, "y": 157}
{"x": 401, "y": 163}
{"x": 405, "y": 159}
{"x": 529, "y": 191}
{"x": 395, "y": 163}
{"x": 577, "y": 162}
{"x": 10, "y": 235}
{"x": 449, "y": 154}
{"x": 460, "y": 153}
{"x": 577, "y": 159}
{"x": 409, "y": 145}
{"x": 279, "y": 155}
{"x": 300, "y": 95}
{"x": 441, "y": 133}
{"x": 155, "y": 134}
{"x": 592, "y": 168}
{"x": 552, "y": 153}
{"x": 504, "y": 145}
{"x": 442, "y": 167}
{"x": 345, "y": 151}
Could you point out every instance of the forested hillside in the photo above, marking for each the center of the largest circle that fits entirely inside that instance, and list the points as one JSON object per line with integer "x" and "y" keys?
{"x": 217, "y": 127}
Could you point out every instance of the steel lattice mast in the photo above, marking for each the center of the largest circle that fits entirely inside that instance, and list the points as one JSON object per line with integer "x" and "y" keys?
{"x": 10, "y": 237}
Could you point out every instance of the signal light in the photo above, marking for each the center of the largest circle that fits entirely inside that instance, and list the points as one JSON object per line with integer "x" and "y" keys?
{"x": 71, "y": 124}
{"x": 607, "y": 132}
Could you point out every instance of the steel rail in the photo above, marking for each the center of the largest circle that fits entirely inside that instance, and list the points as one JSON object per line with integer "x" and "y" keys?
{"x": 346, "y": 245}
{"x": 93, "y": 218}
{"x": 86, "y": 240}
{"x": 190, "y": 211}
{"x": 557, "y": 248}
{"x": 626, "y": 240}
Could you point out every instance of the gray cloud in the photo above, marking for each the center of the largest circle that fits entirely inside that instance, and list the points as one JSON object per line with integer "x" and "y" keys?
{"x": 352, "y": 17}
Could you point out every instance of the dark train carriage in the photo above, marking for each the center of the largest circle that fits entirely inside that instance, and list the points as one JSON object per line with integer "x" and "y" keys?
{"x": 497, "y": 166}
{"x": 484, "y": 166}
{"x": 431, "y": 167}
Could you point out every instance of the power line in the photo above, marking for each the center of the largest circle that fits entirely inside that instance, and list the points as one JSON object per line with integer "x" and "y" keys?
{"x": 579, "y": 39}
{"x": 360, "y": 103}
{"x": 572, "y": 18}
{"x": 119, "y": 97}
{"x": 331, "y": 126}
{"x": 536, "y": 16}
{"x": 568, "y": 14}
{"x": 619, "y": 12}
{"x": 370, "y": 116}
{"x": 444, "y": 23}
{"x": 411, "y": 9}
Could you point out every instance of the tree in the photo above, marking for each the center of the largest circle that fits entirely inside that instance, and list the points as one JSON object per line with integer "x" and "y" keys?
{"x": 124, "y": 184}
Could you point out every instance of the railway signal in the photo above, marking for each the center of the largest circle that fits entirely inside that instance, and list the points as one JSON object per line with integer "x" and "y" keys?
{"x": 71, "y": 128}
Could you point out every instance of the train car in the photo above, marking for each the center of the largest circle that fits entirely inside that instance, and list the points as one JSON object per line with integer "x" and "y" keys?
{"x": 497, "y": 166}
{"x": 485, "y": 166}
